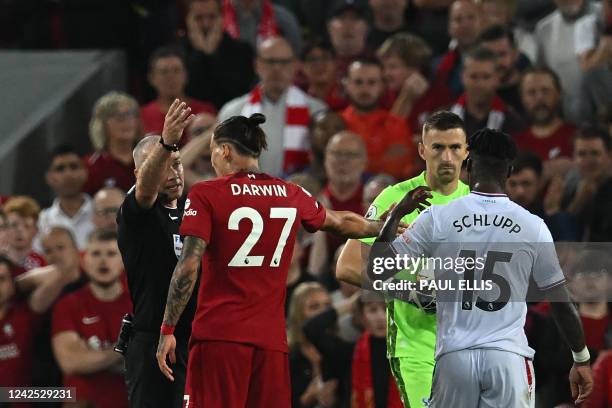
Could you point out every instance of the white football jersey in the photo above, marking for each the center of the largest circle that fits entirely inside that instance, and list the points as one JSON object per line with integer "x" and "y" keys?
{"x": 506, "y": 245}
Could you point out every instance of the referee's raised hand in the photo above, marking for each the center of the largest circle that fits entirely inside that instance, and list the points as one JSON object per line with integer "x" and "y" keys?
{"x": 177, "y": 119}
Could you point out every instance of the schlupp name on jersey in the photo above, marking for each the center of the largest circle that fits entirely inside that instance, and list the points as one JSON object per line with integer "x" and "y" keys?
{"x": 487, "y": 220}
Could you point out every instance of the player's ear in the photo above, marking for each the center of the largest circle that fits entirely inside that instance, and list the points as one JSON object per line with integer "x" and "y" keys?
{"x": 510, "y": 168}
{"x": 421, "y": 148}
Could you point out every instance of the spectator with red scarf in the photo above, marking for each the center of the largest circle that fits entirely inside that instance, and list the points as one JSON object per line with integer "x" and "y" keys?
{"x": 373, "y": 385}
{"x": 480, "y": 106}
{"x": 287, "y": 108}
{"x": 168, "y": 76}
{"x": 464, "y": 25}
{"x": 254, "y": 21}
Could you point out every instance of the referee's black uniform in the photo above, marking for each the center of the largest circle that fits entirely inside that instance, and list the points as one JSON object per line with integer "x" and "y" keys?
{"x": 150, "y": 245}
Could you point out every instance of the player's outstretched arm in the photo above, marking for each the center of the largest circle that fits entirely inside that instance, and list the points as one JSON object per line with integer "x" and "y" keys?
{"x": 567, "y": 319}
{"x": 181, "y": 286}
{"x": 350, "y": 262}
{"x": 350, "y": 225}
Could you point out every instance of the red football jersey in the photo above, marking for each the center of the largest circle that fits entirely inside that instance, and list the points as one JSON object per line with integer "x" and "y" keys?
{"x": 250, "y": 222}
{"x": 17, "y": 336}
{"x": 98, "y": 324}
{"x": 559, "y": 144}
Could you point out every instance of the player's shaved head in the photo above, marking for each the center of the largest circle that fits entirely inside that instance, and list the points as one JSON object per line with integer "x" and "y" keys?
{"x": 143, "y": 148}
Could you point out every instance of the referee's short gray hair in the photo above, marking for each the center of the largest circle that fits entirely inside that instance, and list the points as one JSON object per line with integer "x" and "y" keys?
{"x": 142, "y": 149}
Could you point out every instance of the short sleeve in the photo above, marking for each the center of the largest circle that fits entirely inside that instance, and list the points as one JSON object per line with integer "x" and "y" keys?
{"x": 197, "y": 217}
{"x": 130, "y": 211}
{"x": 63, "y": 318}
{"x": 546, "y": 272}
{"x": 312, "y": 213}
{"x": 417, "y": 240}
{"x": 381, "y": 203}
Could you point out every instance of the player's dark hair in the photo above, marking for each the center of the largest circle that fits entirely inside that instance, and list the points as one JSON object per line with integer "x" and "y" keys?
{"x": 527, "y": 160}
{"x": 491, "y": 153}
{"x": 61, "y": 150}
{"x": 496, "y": 33}
{"x": 443, "y": 120}
{"x": 243, "y": 133}
{"x": 592, "y": 132}
{"x": 103, "y": 235}
{"x": 165, "y": 52}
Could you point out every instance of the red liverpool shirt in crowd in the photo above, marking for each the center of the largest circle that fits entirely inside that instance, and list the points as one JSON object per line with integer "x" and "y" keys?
{"x": 103, "y": 170}
{"x": 353, "y": 203}
{"x": 558, "y": 144}
{"x": 17, "y": 334}
{"x": 249, "y": 222}
{"x": 97, "y": 323}
{"x": 153, "y": 116}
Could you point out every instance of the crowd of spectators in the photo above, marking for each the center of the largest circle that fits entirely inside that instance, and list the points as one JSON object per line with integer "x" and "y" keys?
{"x": 345, "y": 86}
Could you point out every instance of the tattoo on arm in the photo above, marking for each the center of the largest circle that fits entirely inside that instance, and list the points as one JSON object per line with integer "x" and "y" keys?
{"x": 183, "y": 279}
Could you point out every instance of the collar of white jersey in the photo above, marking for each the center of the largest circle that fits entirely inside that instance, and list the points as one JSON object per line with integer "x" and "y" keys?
{"x": 482, "y": 195}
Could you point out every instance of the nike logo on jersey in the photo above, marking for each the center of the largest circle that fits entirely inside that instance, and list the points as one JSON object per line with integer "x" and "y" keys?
{"x": 173, "y": 218}
{"x": 91, "y": 320}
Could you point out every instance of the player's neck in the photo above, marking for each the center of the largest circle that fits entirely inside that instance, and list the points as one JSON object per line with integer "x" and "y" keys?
{"x": 107, "y": 293}
{"x": 487, "y": 187}
{"x": 439, "y": 187}
{"x": 593, "y": 310}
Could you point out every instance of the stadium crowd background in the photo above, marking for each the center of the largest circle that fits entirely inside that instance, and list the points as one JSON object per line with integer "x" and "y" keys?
{"x": 345, "y": 93}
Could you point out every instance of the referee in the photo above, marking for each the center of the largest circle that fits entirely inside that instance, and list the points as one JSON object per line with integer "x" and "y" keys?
{"x": 150, "y": 245}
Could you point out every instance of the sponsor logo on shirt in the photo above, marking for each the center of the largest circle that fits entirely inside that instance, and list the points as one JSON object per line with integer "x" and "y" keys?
{"x": 187, "y": 203}
{"x": 190, "y": 213}
{"x": 8, "y": 330}
{"x": 372, "y": 211}
{"x": 91, "y": 320}
{"x": 9, "y": 351}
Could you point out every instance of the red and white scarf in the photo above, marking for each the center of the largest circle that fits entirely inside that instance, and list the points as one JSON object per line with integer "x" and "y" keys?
{"x": 496, "y": 115}
{"x": 296, "y": 142}
{"x": 267, "y": 23}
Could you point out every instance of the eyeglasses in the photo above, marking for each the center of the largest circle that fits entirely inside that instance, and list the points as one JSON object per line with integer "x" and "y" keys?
{"x": 60, "y": 168}
{"x": 107, "y": 211}
{"x": 339, "y": 154}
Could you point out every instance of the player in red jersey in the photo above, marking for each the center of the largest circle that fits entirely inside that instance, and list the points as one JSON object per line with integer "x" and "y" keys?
{"x": 247, "y": 222}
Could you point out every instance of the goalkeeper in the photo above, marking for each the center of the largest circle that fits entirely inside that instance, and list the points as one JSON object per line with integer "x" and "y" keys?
{"x": 411, "y": 332}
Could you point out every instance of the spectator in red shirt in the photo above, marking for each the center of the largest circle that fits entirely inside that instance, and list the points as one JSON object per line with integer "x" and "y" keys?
{"x": 406, "y": 61}
{"x": 387, "y": 137}
{"x": 319, "y": 72}
{"x": 548, "y": 135}
{"x": 168, "y": 76}
{"x": 602, "y": 382}
{"x": 86, "y": 324}
{"x": 62, "y": 253}
{"x": 347, "y": 28}
{"x": 21, "y": 216}
{"x": 464, "y": 25}
{"x": 114, "y": 130}
{"x": 323, "y": 125}
{"x": 480, "y": 106}
{"x": 345, "y": 162}
{"x": 19, "y": 322}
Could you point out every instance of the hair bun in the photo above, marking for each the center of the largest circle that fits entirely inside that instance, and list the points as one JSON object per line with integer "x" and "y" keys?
{"x": 256, "y": 119}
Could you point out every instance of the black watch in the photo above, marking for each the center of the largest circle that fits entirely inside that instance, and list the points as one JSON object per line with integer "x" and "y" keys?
{"x": 168, "y": 147}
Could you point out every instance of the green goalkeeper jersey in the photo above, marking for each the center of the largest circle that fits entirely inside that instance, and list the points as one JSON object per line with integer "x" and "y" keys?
{"x": 410, "y": 331}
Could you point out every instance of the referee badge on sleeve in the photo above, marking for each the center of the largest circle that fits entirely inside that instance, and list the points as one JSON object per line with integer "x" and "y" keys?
{"x": 178, "y": 245}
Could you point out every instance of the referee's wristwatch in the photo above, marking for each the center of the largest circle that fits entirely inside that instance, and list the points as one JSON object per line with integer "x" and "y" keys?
{"x": 169, "y": 147}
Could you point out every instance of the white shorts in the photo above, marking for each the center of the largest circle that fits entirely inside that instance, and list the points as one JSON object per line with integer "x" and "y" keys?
{"x": 483, "y": 378}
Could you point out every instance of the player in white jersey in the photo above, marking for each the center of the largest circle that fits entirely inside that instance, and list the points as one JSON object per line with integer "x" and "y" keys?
{"x": 482, "y": 355}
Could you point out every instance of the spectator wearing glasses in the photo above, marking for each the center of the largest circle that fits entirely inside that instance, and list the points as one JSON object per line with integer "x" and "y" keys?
{"x": 287, "y": 109}
{"x": 72, "y": 208}
{"x": 106, "y": 205}
{"x": 114, "y": 130}
{"x": 168, "y": 76}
